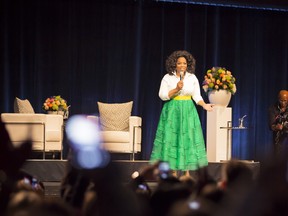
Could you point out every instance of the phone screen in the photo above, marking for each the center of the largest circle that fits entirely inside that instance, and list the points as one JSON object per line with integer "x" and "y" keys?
{"x": 164, "y": 170}
{"x": 85, "y": 141}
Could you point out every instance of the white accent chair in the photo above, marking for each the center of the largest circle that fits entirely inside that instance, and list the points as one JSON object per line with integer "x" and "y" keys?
{"x": 122, "y": 141}
{"x": 44, "y": 130}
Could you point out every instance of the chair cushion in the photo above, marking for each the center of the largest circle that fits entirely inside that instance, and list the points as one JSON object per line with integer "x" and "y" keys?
{"x": 53, "y": 136}
{"x": 22, "y": 106}
{"x": 115, "y": 136}
{"x": 115, "y": 116}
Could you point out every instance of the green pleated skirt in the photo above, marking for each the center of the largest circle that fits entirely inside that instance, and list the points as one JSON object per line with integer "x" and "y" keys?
{"x": 179, "y": 137}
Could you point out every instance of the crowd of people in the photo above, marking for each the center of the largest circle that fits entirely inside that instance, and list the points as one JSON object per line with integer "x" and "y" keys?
{"x": 97, "y": 191}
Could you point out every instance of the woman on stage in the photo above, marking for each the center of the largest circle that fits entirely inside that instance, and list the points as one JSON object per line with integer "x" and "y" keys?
{"x": 179, "y": 137}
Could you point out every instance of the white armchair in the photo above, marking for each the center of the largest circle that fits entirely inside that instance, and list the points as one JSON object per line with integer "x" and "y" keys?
{"x": 44, "y": 130}
{"x": 122, "y": 141}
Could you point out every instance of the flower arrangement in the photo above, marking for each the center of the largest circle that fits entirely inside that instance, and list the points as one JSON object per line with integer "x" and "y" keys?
{"x": 55, "y": 103}
{"x": 218, "y": 78}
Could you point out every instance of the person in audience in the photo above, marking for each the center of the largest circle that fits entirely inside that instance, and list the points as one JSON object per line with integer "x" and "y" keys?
{"x": 204, "y": 197}
{"x": 11, "y": 159}
{"x": 23, "y": 202}
{"x": 237, "y": 182}
{"x": 235, "y": 172}
{"x": 28, "y": 203}
{"x": 97, "y": 189}
{"x": 278, "y": 122}
{"x": 167, "y": 194}
{"x": 25, "y": 181}
{"x": 189, "y": 181}
{"x": 179, "y": 138}
{"x": 168, "y": 191}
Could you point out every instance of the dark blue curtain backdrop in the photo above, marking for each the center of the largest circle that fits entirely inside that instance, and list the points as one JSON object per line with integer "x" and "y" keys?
{"x": 114, "y": 51}
{"x": 278, "y": 5}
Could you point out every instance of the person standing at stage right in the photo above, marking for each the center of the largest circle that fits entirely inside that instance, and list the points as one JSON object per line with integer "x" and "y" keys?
{"x": 278, "y": 122}
{"x": 179, "y": 138}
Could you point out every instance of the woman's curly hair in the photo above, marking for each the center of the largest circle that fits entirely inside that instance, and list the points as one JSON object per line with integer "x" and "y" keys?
{"x": 172, "y": 60}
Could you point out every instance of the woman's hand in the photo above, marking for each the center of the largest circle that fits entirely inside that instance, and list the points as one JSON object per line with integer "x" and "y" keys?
{"x": 180, "y": 85}
{"x": 208, "y": 107}
{"x": 176, "y": 90}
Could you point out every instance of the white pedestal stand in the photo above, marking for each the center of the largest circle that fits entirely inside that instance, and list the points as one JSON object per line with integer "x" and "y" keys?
{"x": 216, "y": 138}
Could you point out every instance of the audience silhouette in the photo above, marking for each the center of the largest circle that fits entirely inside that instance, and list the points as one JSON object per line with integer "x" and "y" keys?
{"x": 98, "y": 191}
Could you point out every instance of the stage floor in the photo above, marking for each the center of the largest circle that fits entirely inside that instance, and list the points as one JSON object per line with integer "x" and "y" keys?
{"x": 51, "y": 172}
{"x": 54, "y": 170}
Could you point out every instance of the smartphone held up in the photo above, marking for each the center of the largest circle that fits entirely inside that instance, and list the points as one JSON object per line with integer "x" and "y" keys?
{"x": 85, "y": 140}
{"x": 164, "y": 170}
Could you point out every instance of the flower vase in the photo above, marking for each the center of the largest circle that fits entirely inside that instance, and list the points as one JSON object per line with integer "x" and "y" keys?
{"x": 219, "y": 97}
{"x": 52, "y": 112}
{"x": 60, "y": 112}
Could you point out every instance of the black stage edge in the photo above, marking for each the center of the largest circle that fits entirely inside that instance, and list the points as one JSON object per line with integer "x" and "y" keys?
{"x": 54, "y": 170}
